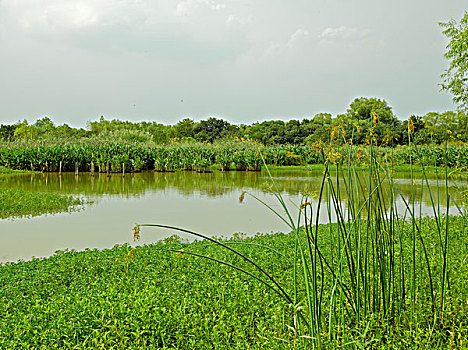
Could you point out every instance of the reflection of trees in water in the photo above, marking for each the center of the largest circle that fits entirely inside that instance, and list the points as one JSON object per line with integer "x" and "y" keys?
{"x": 224, "y": 183}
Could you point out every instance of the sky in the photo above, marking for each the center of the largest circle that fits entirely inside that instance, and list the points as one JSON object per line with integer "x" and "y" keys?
{"x": 242, "y": 61}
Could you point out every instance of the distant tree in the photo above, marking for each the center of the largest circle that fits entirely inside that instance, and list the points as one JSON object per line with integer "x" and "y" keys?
{"x": 45, "y": 127}
{"x": 359, "y": 118}
{"x": 295, "y": 132}
{"x": 269, "y": 132}
{"x": 7, "y": 132}
{"x": 362, "y": 108}
{"x": 456, "y": 75}
{"x": 212, "y": 129}
{"x": 421, "y": 133}
{"x": 318, "y": 128}
{"x": 462, "y": 126}
{"x": 98, "y": 126}
{"x": 44, "y": 123}
{"x": 184, "y": 128}
{"x": 24, "y": 131}
{"x": 161, "y": 133}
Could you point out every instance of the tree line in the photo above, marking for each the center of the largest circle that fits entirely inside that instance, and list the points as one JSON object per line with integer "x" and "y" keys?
{"x": 364, "y": 119}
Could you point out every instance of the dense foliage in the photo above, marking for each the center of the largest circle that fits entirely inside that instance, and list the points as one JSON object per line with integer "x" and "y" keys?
{"x": 456, "y": 76}
{"x": 359, "y": 117}
{"x": 144, "y": 297}
{"x": 241, "y": 155}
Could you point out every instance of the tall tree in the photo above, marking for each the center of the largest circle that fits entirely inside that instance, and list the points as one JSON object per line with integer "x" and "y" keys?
{"x": 360, "y": 117}
{"x": 456, "y": 75}
{"x": 212, "y": 129}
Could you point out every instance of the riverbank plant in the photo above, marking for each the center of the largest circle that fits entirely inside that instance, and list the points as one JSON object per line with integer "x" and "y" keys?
{"x": 124, "y": 157}
{"x": 146, "y": 297}
{"x": 366, "y": 271}
{"x": 5, "y": 170}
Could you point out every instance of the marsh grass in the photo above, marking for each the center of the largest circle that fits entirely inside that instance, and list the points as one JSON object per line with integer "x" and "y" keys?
{"x": 375, "y": 268}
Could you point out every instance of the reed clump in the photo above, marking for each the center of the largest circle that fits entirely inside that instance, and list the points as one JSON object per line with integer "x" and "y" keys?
{"x": 375, "y": 266}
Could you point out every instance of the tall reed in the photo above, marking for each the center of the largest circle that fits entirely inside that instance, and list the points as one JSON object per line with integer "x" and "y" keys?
{"x": 370, "y": 266}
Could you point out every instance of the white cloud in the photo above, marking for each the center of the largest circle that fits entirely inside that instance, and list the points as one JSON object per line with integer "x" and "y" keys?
{"x": 238, "y": 20}
{"x": 144, "y": 27}
{"x": 273, "y": 49}
{"x": 188, "y": 6}
{"x": 342, "y": 33}
{"x": 213, "y": 48}
{"x": 51, "y": 15}
{"x": 298, "y": 37}
{"x": 301, "y": 39}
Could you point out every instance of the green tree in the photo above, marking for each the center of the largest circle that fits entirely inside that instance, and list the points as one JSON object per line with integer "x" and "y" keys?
{"x": 184, "y": 128}
{"x": 456, "y": 75}
{"x": 7, "y": 132}
{"x": 212, "y": 129}
{"x": 24, "y": 131}
{"x": 45, "y": 127}
{"x": 359, "y": 118}
{"x": 319, "y": 128}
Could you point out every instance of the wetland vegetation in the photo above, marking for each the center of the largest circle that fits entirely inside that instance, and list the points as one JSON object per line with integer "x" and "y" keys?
{"x": 359, "y": 265}
{"x": 377, "y": 275}
{"x": 148, "y": 297}
{"x": 386, "y": 269}
{"x": 18, "y": 203}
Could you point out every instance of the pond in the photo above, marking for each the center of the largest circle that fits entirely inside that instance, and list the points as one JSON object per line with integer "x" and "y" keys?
{"x": 203, "y": 202}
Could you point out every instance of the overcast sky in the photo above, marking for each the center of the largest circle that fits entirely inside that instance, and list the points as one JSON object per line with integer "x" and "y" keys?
{"x": 239, "y": 60}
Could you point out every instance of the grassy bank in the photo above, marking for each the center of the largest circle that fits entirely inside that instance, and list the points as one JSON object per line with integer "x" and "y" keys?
{"x": 4, "y": 170}
{"x": 18, "y": 203}
{"x": 394, "y": 168}
{"x": 146, "y": 297}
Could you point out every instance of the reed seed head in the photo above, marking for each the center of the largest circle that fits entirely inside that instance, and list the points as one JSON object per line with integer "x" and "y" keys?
{"x": 136, "y": 233}
{"x": 242, "y": 196}
{"x": 410, "y": 126}
{"x": 304, "y": 205}
{"x": 376, "y": 118}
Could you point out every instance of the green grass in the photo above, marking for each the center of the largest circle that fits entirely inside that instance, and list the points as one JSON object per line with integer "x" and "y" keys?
{"x": 149, "y": 298}
{"x": 4, "y": 170}
{"x": 18, "y": 203}
{"x": 395, "y": 168}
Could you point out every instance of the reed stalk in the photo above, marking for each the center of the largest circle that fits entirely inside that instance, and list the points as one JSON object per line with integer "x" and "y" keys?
{"x": 364, "y": 270}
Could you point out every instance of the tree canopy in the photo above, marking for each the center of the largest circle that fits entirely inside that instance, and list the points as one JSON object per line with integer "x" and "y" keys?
{"x": 456, "y": 75}
{"x": 356, "y": 125}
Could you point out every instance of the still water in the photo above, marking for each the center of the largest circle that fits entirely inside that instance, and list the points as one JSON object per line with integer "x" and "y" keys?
{"x": 207, "y": 203}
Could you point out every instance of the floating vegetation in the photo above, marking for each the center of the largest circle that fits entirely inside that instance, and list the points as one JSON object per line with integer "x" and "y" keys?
{"x": 147, "y": 297}
{"x": 18, "y": 203}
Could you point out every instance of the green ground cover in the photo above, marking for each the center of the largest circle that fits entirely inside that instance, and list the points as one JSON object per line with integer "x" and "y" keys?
{"x": 4, "y": 170}
{"x": 18, "y": 203}
{"x": 395, "y": 168}
{"x": 150, "y": 298}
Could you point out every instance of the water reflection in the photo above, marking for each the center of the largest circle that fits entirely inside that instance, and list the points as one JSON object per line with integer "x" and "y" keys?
{"x": 221, "y": 183}
{"x": 204, "y": 202}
